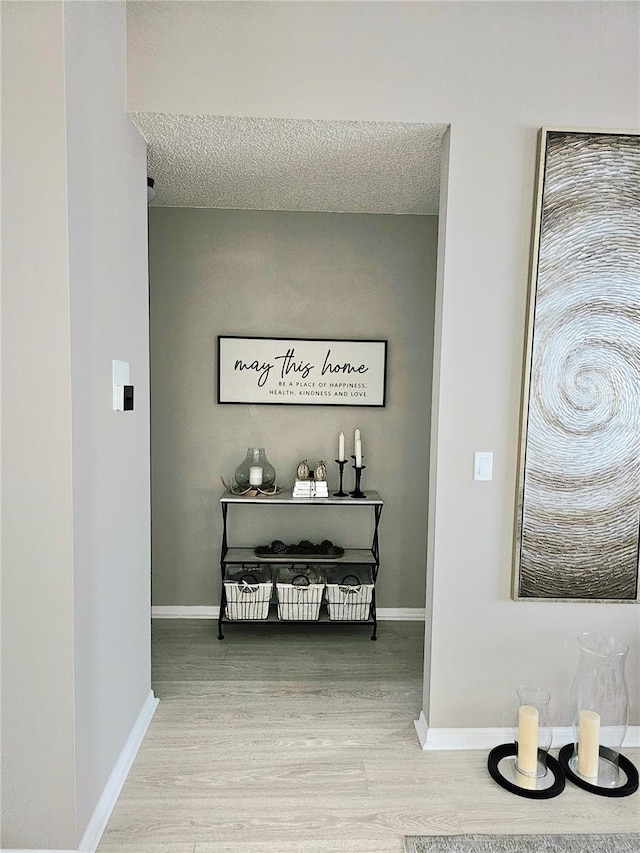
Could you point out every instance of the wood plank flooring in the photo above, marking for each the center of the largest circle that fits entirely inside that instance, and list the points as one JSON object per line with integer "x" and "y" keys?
{"x": 300, "y": 739}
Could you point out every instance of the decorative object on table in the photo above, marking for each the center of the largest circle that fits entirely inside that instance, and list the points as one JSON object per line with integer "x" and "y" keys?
{"x": 357, "y": 492}
{"x": 310, "y": 489}
{"x": 341, "y": 493}
{"x": 600, "y": 715}
{"x": 341, "y": 462}
{"x": 525, "y": 767}
{"x": 357, "y": 466}
{"x": 301, "y": 371}
{"x": 305, "y": 548}
{"x": 320, "y": 471}
{"x": 577, "y": 533}
{"x": 255, "y": 470}
{"x": 251, "y": 491}
{"x": 299, "y": 591}
{"x": 303, "y": 472}
{"x": 357, "y": 447}
{"x": 349, "y": 593}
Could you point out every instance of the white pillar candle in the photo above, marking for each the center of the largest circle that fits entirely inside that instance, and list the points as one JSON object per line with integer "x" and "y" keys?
{"x": 341, "y": 447}
{"x": 255, "y": 475}
{"x": 588, "y": 743}
{"x": 358, "y": 454}
{"x": 356, "y": 437}
{"x": 529, "y": 783}
{"x": 527, "y": 760}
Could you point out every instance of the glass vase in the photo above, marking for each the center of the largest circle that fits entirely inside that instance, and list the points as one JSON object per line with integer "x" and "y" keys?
{"x": 255, "y": 470}
{"x": 599, "y": 709}
{"x": 532, "y": 731}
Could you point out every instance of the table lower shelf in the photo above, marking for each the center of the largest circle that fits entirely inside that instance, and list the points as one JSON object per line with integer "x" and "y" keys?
{"x": 323, "y": 619}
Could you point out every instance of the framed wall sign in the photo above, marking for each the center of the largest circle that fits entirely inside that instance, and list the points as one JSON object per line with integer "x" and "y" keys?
{"x": 301, "y": 371}
{"x": 578, "y": 502}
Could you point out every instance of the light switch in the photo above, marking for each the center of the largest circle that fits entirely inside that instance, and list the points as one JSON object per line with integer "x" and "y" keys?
{"x": 120, "y": 379}
{"x": 483, "y": 466}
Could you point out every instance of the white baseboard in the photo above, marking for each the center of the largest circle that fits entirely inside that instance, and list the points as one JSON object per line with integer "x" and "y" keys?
{"x": 177, "y": 611}
{"x": 422, "y": 729}
{"x": 107, "y": 801}
{"x": 487, "y": 738}
{"x": 400, "y": 614}
{"x": 204, "y": 611}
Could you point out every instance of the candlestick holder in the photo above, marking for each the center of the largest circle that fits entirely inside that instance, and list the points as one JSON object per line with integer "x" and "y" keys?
{"x": 340, "y": 493}
{"x": 356, "y": 493}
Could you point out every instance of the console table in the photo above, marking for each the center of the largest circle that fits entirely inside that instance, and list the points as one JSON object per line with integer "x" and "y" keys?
{"x": 232, "y": 555}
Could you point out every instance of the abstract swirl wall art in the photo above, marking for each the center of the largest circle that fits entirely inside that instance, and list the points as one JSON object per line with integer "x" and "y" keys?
{"x": 578, "y": 502}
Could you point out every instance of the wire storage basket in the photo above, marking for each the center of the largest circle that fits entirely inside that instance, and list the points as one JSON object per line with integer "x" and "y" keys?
{"x": 349, "y": 593}
{"x": 248, "y": 591}
{"x": 299, "y": 591}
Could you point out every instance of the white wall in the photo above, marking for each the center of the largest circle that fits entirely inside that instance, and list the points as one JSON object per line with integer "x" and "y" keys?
{"x": 497, "y": 72}
{"x": 75, "y": 570}
{"x": 38, "y": 761}
{"x": 109, "y": 319}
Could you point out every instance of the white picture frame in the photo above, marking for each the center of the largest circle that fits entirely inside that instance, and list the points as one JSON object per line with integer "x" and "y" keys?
{"x": 301, "y": 371}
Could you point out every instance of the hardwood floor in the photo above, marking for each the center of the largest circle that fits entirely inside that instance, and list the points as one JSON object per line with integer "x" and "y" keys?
{"x": 300, "y": 739}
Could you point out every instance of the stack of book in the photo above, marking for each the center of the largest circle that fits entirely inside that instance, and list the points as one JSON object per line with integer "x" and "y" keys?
{"x": 311, "y": 489}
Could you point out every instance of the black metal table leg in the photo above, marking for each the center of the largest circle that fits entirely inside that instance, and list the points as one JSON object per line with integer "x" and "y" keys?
{"x": 374, "y": 633}
{"x": 221, "y": 613}
{"x": 223, "y": 554}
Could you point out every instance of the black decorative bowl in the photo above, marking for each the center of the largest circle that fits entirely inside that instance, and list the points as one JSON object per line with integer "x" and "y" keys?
{"x": 324, "y": 551}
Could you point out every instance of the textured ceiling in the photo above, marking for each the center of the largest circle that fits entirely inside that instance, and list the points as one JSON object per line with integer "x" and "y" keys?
{"x": 287, "y": 164}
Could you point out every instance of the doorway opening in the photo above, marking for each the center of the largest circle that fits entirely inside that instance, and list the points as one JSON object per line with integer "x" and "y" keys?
{"x": 288, "y": 228}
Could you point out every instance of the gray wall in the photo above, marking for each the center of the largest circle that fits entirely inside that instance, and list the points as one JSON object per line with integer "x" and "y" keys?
{"x": 496, "y": 71}
{"x": 75, "y": 477}
{"x": 286, "y": 274}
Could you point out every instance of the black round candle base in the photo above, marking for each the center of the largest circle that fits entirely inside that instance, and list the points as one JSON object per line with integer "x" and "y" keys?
{"x": 627, "y": 767}
{"x": 506, "y": 750}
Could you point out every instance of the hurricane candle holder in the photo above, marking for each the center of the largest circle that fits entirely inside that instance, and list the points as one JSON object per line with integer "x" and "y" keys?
{"x": 255, "y": 470}
{"x": 340, "y": 493}
{"x": 532, "y": 732}
{"x": 599, "y": 717}
{"x": 524, "y": 766}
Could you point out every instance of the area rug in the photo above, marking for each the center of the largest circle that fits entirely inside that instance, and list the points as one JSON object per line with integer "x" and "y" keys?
{"x": 616, "y": 843}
